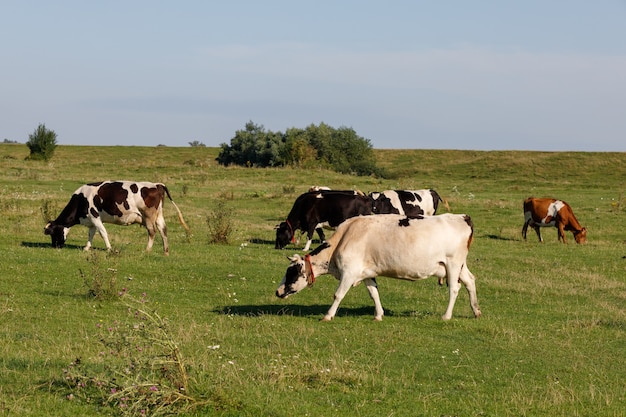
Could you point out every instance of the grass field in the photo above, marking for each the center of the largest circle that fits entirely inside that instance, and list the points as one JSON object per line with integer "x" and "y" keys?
{"x": 551, "y": 341}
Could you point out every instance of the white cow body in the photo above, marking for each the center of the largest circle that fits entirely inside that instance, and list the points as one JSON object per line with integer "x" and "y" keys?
{"x": 410, "y": 203}
{"x": 390, "y": 245}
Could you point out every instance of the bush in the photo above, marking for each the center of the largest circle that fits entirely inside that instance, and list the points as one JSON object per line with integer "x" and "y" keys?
{"x": 220, "y": 224}
{"x": 41, "y": 143}
{"x": 316, "y": 146}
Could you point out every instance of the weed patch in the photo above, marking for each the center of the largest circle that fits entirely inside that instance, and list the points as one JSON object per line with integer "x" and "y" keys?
{"x": 141, "y": 371}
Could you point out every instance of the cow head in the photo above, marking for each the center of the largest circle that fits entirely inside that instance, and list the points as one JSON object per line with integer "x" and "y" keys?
{"x": 581, "y": 235}
{"x": 297, "y": 277}
{"x": 284, "y": 235}
{"x": 58, "y": 234}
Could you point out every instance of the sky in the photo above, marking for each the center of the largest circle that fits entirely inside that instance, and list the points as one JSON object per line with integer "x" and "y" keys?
{"x": 475, "y": 75}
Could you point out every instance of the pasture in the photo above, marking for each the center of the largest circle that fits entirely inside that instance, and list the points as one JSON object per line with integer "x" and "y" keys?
{"x": 551, "y": 341}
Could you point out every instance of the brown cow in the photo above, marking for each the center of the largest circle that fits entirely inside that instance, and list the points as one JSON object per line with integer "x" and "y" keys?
{"x": 540, "y": 212}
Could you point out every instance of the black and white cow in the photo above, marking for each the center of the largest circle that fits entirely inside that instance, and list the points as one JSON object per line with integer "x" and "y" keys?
{"x": 312, "y": 209}
{"x": 410, "y": 203}
{"x": 390, "y": 245}
{"x": 117, "y": 202}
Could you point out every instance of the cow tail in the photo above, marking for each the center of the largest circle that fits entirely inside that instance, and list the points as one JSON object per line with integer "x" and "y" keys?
{"x": 469, "y": 222}
{"x": 445, "y": 203}
{"x": 180, "y": 214}
{"x": 438, "y": 198}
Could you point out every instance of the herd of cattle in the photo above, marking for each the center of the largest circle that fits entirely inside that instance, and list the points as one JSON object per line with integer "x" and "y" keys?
{"x": 394, "y": 233}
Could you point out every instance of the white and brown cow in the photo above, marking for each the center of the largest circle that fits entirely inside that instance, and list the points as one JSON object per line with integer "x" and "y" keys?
{"x": 542, "y": 212}
{"x": 313, "y": 209}
{"x": 410, "y": 203}
{"x": 390, "y": 245}
{"x": 117, "y": 202}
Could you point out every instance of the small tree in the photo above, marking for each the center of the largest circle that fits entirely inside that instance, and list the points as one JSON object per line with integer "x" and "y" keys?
{"x": 41, "y": 143}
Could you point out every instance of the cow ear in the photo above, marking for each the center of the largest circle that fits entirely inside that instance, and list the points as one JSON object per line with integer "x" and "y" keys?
{"x": 294, "y": 258}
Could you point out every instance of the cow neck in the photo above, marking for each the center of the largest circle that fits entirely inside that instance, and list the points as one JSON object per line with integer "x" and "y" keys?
{"x": 310, "y": 279}
{"x": 293, "y": 235}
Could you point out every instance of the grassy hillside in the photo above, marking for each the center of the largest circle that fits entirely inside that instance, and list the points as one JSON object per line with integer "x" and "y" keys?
{"x": 550, "y": 342}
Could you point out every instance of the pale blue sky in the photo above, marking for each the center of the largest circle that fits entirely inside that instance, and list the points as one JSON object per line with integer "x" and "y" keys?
{"x": 485, "y": 75}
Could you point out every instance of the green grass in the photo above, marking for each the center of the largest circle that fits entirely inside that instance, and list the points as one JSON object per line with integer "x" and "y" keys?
{"x": 551, "y": 341}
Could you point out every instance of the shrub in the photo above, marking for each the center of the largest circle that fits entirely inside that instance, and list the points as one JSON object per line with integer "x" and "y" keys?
{"x": 220, "y": 223}
{"x": 42, "y": 143}
{"x": 316, "y": 146}
{"x": 101, "y": 283}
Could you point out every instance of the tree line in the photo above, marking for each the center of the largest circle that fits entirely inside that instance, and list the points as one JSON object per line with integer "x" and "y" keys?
{"x": 316, "y": 146}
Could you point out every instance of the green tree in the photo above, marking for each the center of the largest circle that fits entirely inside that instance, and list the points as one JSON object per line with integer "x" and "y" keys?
{"x": 252, "y": 147}
{"x": 42, "y": 143}
{"x": 323, "y": 146}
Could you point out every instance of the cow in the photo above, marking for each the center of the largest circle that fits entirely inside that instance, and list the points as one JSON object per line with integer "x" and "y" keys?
{"x": 312, "y": 209}
{"x": 390, "y": 245}
{"x": 410, "y": 203}
{"x": 117, "y": 202}
{"x": 542, "y": 212}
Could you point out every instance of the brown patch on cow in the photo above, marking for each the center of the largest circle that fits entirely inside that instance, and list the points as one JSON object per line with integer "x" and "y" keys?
{"x": 94, "y": 212}
{"x": 134, "y": 188}
{"x": 110, "y": 196}
{"x": 152, "y": 196}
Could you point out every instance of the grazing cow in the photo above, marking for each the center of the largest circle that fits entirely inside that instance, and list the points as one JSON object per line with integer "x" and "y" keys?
{"x": 312, "y": 209}
{"x": 117, "y": 202}
{"x": 390, "y": 245}
{"x": 410, "y": 203}
{"x": 541, "y": 212}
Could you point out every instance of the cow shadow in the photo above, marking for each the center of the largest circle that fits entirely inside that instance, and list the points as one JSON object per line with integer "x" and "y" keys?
{"x": 260, "y": 241}
{"x": 48, "y": 245}
{"x": 317, "y": 310}
{"x": 314, "y": 311}
{"x": 498, "y": 237}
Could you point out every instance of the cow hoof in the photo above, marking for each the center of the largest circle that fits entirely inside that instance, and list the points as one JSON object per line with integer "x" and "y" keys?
{"x": 327, "y": 318}
{"x": 378, "y": 318}
{"x": 478, "y": 314}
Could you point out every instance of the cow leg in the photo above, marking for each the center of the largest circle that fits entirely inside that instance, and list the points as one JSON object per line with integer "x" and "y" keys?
{"x": 561, "y": 228}
{"x": 525, "y": 228}
{"x": 372, "y": 287}
{"x": 92, "y": 233}
{"x": 151, "y": 228}
{"x": 538, "y": 231}
{"x": 344, "y": 286}
{"x": 469, "y": 281}
{"x": 309, "y": 240}
{"x": 162, "y": 228}
{"x": 454, "y": 285}
{"x": 320, "y": 233}
{"x": 99, "y": 226}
